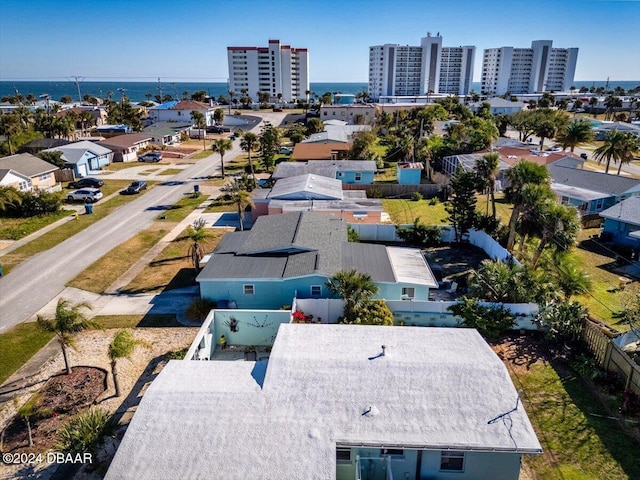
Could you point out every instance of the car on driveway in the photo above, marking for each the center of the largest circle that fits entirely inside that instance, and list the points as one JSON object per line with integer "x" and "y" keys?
{"x": 286, "y": 151}
{"x": 584, "y": 156}
{"x": 86, "y": 182}
{"x": 150, "y": 157}
{"x": 264, "y": 183}
{"x": 135, "y": 187}
{"x": 87, "y": 195}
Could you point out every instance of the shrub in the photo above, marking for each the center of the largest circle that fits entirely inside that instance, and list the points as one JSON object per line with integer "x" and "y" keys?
{"x": 491, "y": 322}
{"x": 352, "y": 235}
{"x": 563, "y": 320}
{"x": 198, "y": 309}
{"x": 420, "y": 234}
{"x": 176, "y": 354}
{"x": 434, "y": 201}
{"x": 416, "y": 196}
{"x": 85, "y": 432}
{"x": 373, "y": 312}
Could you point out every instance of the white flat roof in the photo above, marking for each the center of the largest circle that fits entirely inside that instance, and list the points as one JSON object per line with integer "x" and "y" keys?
{"x": 435, "y": 388}
{"x": 409, "y": 266}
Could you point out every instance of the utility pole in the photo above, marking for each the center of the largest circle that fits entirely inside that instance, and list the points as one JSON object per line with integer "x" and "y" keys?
{"x": 77, "y": 81}
{"x": 160, "y": 90}
{"x": 122, "y": 92}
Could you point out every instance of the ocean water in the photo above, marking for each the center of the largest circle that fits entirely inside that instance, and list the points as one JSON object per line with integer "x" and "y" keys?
{"x": 138, "y": 91}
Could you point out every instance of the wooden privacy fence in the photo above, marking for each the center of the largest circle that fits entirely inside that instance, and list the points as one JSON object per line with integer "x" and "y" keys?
{"x": 390, "y": 190}
{"x": 610, "y": 356}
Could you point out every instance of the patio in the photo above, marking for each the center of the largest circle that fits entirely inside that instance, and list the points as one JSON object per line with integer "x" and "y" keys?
{"x": 235, "y": 353}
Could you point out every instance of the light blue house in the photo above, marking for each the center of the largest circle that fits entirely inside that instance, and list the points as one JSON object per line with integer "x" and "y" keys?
{"x": 622, "y": 222}
{"x": 590, "y": 192}
{"x": 84, "y": 157}
{"x": 409, "y": 173}
{"x": 294, "y": 254}
{"x": 347, "y": 171}
{"x": 344, "y": 402}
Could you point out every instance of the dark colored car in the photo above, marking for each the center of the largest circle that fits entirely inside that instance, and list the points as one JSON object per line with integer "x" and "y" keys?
{"x": 264, "y": 183}
{"x": 86, "y": 182}
{"x": 150, "y": 157}
{"x": 135, "y": 187}
{"x": 584, "y": 156}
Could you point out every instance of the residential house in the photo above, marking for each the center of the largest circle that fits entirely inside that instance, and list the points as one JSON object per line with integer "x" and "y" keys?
{"x": 589, "y": 191}
{"x": 112, "y": 130}
{"x": 39, "y": 172}
{"x": 41, "y": 144}
{"x": 126, "y": 148}
{"x": 11, "y": 178}
{"x": 622, "y": 222}
{"x": 294, "y": 254}
{"x": 603, "y": 129}
{"x": 336, "y": 133}
{"x": 321, "y": 151}
{"x": 341, "y": 402}
{"x": 347, "y": 171}
{"x": 409, "y": 173}
{"x": 167, "y": 133}
{"x": 499, "y": 106}
{"x": 349, "y": 113}
{"x": 180, "y": 111}
{"x": 84, "y": 157}
{"x": 319, "y": 194}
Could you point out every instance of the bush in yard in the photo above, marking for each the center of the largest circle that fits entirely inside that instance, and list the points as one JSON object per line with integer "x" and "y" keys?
{"x": 38, "y": 203}
{"x": 352, "y": 235}
{"x": 85, "y": 432}
{"x": 372, "y": 312}
{"x": 198, "y": 309}
{"x": 416, "y": 196}
{"x": 420, "y": 234}
{"x": 434, "y": 201}
{"x": 562, "y": 320}
{"x": 491, "y": 322}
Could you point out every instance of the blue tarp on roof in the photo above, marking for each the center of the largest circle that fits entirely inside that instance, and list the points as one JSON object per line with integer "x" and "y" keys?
{"x": 167, "y": 105}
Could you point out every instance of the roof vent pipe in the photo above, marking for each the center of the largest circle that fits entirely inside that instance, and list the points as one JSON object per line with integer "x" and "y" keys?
{"x": 383, "y": 349}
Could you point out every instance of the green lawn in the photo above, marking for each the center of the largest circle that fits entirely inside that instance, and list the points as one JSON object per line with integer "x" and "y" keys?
{"x": 578, "y": 443}
{"x": 16, "y": 228}
{"x": 18, "y": 345}
{"x": 406, "y": 211}
{"x": 66, "y": 230}
{"x": 182, "y": 208}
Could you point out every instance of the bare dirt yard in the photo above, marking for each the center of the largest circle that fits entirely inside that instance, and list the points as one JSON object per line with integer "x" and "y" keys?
{"x": 65, "y": 395}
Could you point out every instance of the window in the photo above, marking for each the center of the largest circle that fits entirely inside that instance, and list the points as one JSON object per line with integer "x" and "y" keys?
{"x": 358, "y": 176}
{"x": 393, "y": 452}
{"x": 248, "y": 289}
{"x": 316, "y": 290}
{"x": 408, "y": 293}
{"x": 452, "y": 461}
{"x": 343, "y": 456}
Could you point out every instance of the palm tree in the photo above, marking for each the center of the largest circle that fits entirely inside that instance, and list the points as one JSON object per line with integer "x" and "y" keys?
{"x": 528, "y": 223}
{"x": 31, "y": 410}
{"x": 628, "y": 150}
{"x": 197, "y": 233}
{"x": 354, "y": 287}
{"x": 201, "y": 123}
{"x": 571, "y": 279}
{"x": 559, "y": 224}
{"x": 612, "y": 148}
{"x": 69, "y": 320}
{"x": 593, "y": 102}
{"x": 9, "y": 196}
{"x": 240, "y": 197}
{"x": 486, "y": 173}
{"x": 85, "y": 118}
{"x": 122, "y": 346}
{"x": 521, "y": 174}
{"x": 248, "y": 144}
{"x": 577, "y": 132}
{"x": 222, "y": 146}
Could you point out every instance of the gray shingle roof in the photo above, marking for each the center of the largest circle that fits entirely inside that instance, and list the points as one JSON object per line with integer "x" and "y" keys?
{"x": 368, "y": 258}
{"x": 27, "y": 164}
{"x": 627, "y": 211}
{"x": 326, "y": 168}
{"x": 589, "y": 180}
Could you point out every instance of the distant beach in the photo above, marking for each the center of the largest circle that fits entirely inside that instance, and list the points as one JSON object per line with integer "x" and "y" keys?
{"x": 139, "y": 91}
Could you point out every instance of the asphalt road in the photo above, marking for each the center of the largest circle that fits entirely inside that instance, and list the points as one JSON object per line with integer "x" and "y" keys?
{"x": 36, "y": 281}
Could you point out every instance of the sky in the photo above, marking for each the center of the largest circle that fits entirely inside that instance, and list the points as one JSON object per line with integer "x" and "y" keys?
{"x": 186, "y": 41}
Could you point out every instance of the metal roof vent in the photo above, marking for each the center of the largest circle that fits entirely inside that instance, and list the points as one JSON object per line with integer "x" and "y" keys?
{"x": 371, "y": 411}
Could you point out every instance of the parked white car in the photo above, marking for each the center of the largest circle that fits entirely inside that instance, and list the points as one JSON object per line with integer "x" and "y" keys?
{"x": 90, "y": 195}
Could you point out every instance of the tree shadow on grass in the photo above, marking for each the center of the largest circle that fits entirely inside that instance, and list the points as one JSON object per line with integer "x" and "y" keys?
{"x": 622, "y": 447}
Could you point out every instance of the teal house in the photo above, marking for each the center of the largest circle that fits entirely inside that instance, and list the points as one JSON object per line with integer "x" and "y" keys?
{"x": 622, "y": 223}
{"x": 409, "y": 173}
{"x": 294, "y": 254}
{"x": 347, "y": 171}
{"x": 84, "y": 157}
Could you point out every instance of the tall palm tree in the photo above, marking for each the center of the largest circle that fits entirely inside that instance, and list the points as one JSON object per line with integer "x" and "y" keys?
{"x": 9, "y": 127}
{"x": 577, "y": 132}
{"x": 240, "y": 197}
{"x": 532, "y": 196}
{"x": 521, "y": 174}
{"x": 248, "y": 144}
{"x": 486, "y": 173}
{"x": 201, "y": 123}
{"x": 593, "y": 102}
{"x": 197, "y": 233}
{"x": 559, "y": 225}
{"x": 222, "y": 146}
{"x": 68, "y": 320}
{"x": 85, "y": 118}
{"x": 628, "y": 149}
{"x": 612, "y": 149}
{"x": 122, "y": 346}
